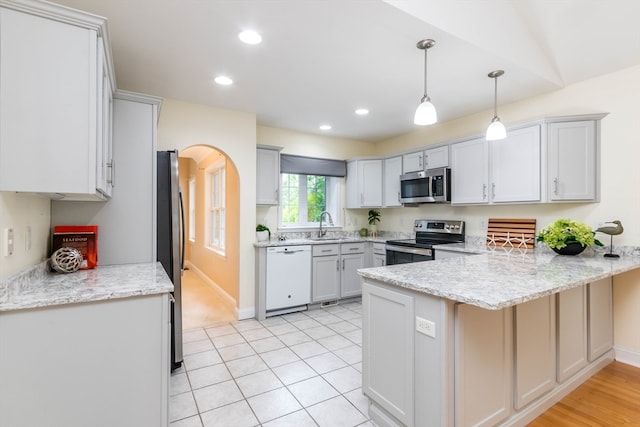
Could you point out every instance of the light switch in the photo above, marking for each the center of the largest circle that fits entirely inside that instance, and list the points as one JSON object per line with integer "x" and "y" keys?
{"x": 8, "y": 239}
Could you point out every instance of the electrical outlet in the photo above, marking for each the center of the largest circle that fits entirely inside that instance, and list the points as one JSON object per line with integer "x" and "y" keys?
{"x": 426, "y": 327}
{"x": 8, "y": 241}
{"x": 27, "y": 238}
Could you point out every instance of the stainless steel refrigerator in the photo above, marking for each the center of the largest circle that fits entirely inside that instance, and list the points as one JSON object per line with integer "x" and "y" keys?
{"x": 170, "y": 241}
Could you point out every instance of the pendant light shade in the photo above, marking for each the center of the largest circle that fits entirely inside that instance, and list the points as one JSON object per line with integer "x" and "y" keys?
{"x": 425, "y": 113}
{"x": 496, "y": 129}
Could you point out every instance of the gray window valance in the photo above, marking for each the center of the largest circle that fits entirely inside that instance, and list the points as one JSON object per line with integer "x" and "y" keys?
{"x": 312, "y": 166}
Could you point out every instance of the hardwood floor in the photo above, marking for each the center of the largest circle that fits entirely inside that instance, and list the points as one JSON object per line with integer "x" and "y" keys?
{"x": 202, "y": 305}
{"x": 609, "y": 398}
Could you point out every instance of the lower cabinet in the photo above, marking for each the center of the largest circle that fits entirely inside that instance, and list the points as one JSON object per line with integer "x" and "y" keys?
{"x": 600, "y": 317}
{"x": 379, "y": 255}
{"x": 483, "y": 366}
{"x": 388, "y": 351}
{"x": 103, "y": 363}
{"x": 535, "y": 349}
{"x": 335, "y": 271}
{"x": 572, "y": 332}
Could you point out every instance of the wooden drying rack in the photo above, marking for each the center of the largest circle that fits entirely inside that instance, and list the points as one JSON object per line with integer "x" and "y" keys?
{"x": 511, "y": 233}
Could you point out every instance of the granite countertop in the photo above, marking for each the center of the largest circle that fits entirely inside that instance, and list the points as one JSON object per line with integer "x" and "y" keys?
{"x": 37, "y": 287}
{"x": 500, "y": 278}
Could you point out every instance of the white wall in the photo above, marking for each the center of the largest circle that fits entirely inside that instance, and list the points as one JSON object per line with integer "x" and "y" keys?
{"x": 234, "y": 133}
{"x": 18, "y": 211}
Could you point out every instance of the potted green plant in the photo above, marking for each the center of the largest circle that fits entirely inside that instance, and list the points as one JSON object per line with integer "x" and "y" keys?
{"x": 262, "y": 233}
{"x": 374, "y": 218}
{"x": 568, "y": 237}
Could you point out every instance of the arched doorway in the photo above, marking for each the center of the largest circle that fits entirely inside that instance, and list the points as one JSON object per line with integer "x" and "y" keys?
{"x": 210, "y": 287}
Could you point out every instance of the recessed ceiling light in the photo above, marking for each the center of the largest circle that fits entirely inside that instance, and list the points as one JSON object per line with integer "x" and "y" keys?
{"x": 325, "y": 127}
{"x": 250, "y": 37}
{"x": 362, "y": 111}
{"x": 223, "y": 80}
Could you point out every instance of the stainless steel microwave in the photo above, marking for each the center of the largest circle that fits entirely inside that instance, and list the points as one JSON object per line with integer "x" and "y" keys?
{"x": 428, "y": 186}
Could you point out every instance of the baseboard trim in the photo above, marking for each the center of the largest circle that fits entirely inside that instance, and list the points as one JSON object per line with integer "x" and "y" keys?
{"x": 625, "y": 355}
{"x": 246, "y": 313}
{"x": 228, "y": 298}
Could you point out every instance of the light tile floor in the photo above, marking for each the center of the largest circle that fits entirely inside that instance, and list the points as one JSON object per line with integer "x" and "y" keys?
{"x": 300, "y": 369}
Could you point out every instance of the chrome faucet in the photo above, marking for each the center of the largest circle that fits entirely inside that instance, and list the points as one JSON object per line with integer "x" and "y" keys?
{"x": 322, "y": 232}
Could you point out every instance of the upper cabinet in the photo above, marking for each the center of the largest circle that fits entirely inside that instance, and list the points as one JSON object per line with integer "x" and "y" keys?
{"x": 267, "y": 175}
{"x": 503, "y": 171}
{"x": 392, "y": 172}
{"x": 427, "y": 159}
{"x": 56, "y": 86}
{"x": 572, "y": 158}
{"x": 364, "y": 183}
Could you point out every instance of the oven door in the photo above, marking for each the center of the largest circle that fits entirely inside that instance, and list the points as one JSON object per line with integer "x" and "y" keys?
{"x": 406, "y": 254}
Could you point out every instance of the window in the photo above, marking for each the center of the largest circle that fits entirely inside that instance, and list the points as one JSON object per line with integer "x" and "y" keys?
{"x": 305, "y": 197}
{"x": 216, "y": 235}
{"x": 192, "y": 209}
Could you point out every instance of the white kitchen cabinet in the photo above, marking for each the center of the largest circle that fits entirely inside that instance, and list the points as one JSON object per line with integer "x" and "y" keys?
{"x": 483, "y": 367}
{"x": 379, "y": 255}
{"x": 572, "y": 150}
{"x": 364, "y": 183}
{"x": 470, "y": 172}
{"x": 427, "y": 159}
{"x": 325, "y": 273}
{"x": 504, "y": 171}
{"x": 535, "y": 349}
{"x": 600, "y": 317}
{"x": 572, "y": 332}
{"x": 351, "y": 259}
{"x": 267, "y": 175}
{"x": 515, "y": 166}
{"x": 103, "y": 363}
{"x": 56, "y": 78}
{"x": 392, "y": 172}
{"x": 126, "y": 216}
{"x": 388, "y": 351}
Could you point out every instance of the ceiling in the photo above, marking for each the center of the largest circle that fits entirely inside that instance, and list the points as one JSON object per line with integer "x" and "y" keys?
{"x": 320, "y": 60}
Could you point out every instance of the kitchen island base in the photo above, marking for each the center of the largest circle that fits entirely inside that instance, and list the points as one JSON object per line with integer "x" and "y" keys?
{"x": 477, "y": 367}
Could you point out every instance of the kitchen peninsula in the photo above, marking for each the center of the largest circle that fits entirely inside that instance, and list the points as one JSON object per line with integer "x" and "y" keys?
{"x": 85, "y": 348}
{"x": 489, "y": 339}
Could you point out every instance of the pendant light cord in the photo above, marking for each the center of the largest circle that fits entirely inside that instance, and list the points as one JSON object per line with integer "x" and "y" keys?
{"x": 425, "y": 75}
{"x": 495, "y": 97}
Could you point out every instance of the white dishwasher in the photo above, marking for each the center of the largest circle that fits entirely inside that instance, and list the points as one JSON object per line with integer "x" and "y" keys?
{"x": 288, "y": 277}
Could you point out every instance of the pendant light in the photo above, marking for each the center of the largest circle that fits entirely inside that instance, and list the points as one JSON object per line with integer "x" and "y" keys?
{"x": 426, "y": 112}
{"x": 496, "y": 129}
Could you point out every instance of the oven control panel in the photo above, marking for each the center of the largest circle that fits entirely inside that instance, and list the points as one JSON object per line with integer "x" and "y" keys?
{"x": 439, "y": 226}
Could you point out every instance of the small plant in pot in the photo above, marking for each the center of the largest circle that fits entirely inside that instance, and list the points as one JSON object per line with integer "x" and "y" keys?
{"x": 568, "y": 237}
{"x": 262, "y": 233}
{"x": 374, "y": 218}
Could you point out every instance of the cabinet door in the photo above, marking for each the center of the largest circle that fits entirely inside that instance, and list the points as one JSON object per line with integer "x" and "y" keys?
{"x": 392, "y": 172}
{"x": 600, "y": 317}
{"x": 469, "y": 172}
{"x": 412, "y": 162}
{"x": 104, "y": 151}
{"x": 572, "y": 161}
{"x": 388, "y": 350}
{"x": 48, "y": 106}
{"x": 572, "y": 332}
{"x": 515, "y": 166}
{"x": 436, "y": 157}
{"x": 535, "y": 349}
{"x": 370, "y": 183}
{"x": 326, "y": 278}
{"x": 350, "y": 281}
{"x": 268, "y": 176}
{"x": 379, "y": 260}
{"x": 483, "y": 368}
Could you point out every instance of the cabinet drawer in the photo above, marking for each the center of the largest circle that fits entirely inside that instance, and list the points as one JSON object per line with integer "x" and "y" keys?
{"x": 352, "y": 248}
{"x": 378, "y": 248}
{"x": 325, "y": 250}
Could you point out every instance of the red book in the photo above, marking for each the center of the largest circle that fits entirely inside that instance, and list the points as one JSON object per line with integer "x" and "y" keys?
{"x": 82, "y": 237}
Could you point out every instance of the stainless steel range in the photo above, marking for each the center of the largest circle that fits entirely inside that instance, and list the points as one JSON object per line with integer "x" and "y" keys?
{"x": 429, "y": 232}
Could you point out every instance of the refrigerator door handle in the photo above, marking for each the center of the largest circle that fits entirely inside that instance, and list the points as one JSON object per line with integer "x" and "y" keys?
{"x": 182, "y": 233}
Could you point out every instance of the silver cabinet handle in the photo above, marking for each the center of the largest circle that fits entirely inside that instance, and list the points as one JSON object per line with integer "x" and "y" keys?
{"x": 337, "y": 265}
{"x": 426, "y": 161}
{"x": 493, "y": 191}
{"x": 555, "y": 186}
{"x": 112, "y": 175}
{"x": 398, "y": 196}
{"x": 420, "y": 161}
{"x": 484, "y": 191}
{"x": 343, "y": 264}
{"x": 277, "y": 196}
